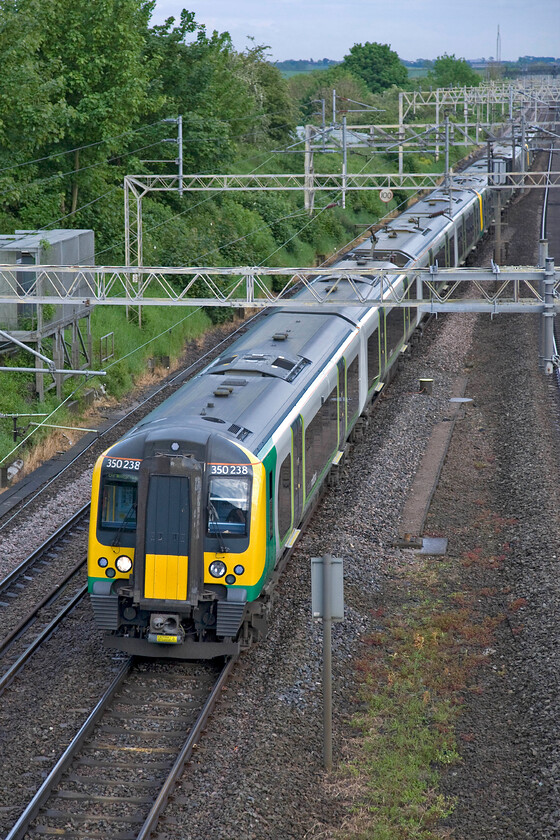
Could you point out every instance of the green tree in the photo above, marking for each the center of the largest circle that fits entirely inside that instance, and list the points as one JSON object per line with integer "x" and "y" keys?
{"x": 32, "y": 106}
{"x": 377, "y": 64}
{"x": 202, "y": 80}
{"x": 450, "y": 71}
{"x": 97, "y": 49}
{"x": 226, "y": 97}
{"x": 307, "y": 88}
{"x": 272, "y": 96}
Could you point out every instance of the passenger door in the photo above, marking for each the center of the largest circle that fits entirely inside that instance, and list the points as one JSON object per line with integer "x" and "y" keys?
{"x": 168, "y": 563}
{"x": 297, "y": 460}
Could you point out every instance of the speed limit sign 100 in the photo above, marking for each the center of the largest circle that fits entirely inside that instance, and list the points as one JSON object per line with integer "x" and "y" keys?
{"x": 386, "y": 195}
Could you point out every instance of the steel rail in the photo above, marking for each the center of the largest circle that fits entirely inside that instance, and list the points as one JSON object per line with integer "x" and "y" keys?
{"x": 19, "y": 829}
{"x": 42, "y": 637}
{"x": 55, "y": 777}
{"x": 46, "y": 601}
{"x": 185, "y": 753}
{"x": 36, "y": 555}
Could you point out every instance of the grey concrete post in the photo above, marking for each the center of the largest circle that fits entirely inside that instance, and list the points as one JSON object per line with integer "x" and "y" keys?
{"x": 548, "y": 315}
{"x": 344, "y": 162}
{"x": 309, "y": 195}
{"x": 543, "y": 254}
{"x": 327, "y": 661}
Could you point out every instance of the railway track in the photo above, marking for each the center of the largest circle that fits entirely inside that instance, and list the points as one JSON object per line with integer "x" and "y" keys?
{"x": 37, "y": 595}
{"x": 115, "y": 776}
{"x": 47, "y": 822}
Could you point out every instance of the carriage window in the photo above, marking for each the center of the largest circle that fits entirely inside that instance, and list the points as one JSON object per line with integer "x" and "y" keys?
{"x": 321, "y": 438}
{"x": 440, "y": 257}
{"x": 460, "y": 239}
{"x": 353, "y": 388}
{"x": 285, "y": 497}
{"x": 394, "y": 326}
{"x": 118, "y": 502}
{"x": 228, "y": 505}
{"x": 411, "y": 290}
{"x": 470, "y": 227}
{"x": 373, "y": 357}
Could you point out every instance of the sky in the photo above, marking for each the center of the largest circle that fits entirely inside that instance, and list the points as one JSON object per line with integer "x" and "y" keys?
{"x": 316, "y": 29}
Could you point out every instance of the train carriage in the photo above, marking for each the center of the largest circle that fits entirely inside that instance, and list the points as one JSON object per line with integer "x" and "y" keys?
{"x": 193, "y": 509}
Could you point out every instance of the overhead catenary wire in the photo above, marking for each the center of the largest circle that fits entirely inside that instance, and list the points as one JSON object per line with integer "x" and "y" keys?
{"x": 135, "y": 131}
{"x": 82, "y": 207}
{"x": 150, "y": 341}
{"x": 38, "y": 182}
{"x": 104, "y": 162}
{"x": 117, "y": 361}
{"x": 99, "y": 198}
{"x": 79, "y": 148}
{"x": 185, "y": 211}
{"x": 119, "y": 187}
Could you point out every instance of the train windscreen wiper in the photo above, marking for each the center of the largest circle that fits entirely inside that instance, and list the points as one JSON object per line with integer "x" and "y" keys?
{"x": 213, "y": 516}
{"x": 127, "y": 518}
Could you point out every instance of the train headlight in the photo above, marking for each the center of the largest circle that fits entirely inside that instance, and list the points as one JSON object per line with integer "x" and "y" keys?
{"x": 239, "y": 570}
{"x": 103, "y": 562}
{"x": 123, "y": 563}
{"x": 217, "y": 569}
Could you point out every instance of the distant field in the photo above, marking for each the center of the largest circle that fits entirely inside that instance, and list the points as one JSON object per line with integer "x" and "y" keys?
{"x": 289, "y": 73}
{"x": 294, "y": 68}
{"x": 417, "y": 72}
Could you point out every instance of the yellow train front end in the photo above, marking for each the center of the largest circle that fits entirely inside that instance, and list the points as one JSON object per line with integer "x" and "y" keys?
{"x": 177, "y": 544}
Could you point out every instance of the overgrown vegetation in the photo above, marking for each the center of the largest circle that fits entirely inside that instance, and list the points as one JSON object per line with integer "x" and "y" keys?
{"x": 449, "y": 70}
{"x": 416, "y": 672}
{"x": 377, "y": 65}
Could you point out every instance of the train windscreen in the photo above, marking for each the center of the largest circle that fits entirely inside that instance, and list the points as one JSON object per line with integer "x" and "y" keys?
{"x": 118, "y": 502}
{"x": 228, "y": 505}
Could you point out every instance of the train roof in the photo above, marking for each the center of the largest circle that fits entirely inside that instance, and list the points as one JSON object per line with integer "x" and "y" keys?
{"x": 347, "y": 286}
{"x": 413, "y": 231}
{"x": 248, "y": 390}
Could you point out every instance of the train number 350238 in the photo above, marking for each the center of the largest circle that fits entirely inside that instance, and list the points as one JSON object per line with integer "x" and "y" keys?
{"x": 122, "y": 464}
{"x": 229, "y": 469}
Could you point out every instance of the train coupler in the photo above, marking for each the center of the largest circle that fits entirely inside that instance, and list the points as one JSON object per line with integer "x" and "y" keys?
{"x": 166, "y": 628}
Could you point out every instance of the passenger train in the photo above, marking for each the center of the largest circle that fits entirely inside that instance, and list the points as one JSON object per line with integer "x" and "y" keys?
{"x": 193, "y": 509}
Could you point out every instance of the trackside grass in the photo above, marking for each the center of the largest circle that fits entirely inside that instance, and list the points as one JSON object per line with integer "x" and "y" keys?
{"x": 164, "y": 333}
{"x": 415, "y": 672}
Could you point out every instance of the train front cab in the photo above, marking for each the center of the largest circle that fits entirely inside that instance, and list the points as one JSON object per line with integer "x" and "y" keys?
{"x": 196, "y": 543}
